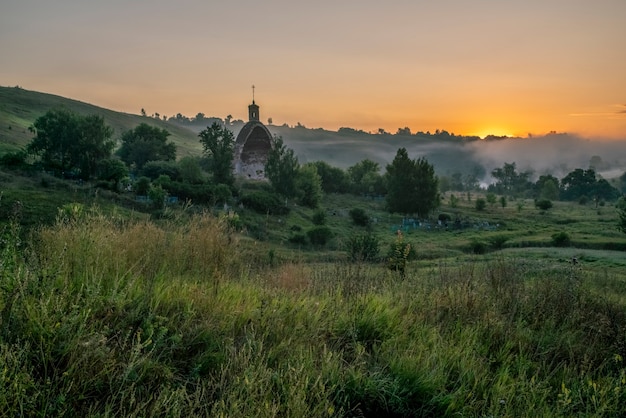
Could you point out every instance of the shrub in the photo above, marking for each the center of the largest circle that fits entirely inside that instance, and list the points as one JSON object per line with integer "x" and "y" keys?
{"x": 583, "y": 200}
{"x": 264, "y": 202}
{"x": 444, "y": 217}
{"x": 299, "y": 239}
{"x": 543, "y": 204}
{"x": 14, "y": 159}
{"x": 359, "y": 217}
{"x": 363, "y": 247}
{"x": 398, "y": 255}
{"x": 478, "y": 247}
{"x": 319, "y": 217}
{"x": 497, "y": 241}
{"x": 222, "y": 193}
{"x": 481, "y": 204}
{"x": 561, "y": 239}
{"x": 142, "y": 185}
{"x": 320, "y": 235}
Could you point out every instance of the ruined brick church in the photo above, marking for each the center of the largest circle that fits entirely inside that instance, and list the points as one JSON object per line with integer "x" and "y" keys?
{"x": 252, "y": 146}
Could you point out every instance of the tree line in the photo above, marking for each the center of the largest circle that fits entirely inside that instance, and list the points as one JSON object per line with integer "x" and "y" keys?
{"x": 81, "y": 147}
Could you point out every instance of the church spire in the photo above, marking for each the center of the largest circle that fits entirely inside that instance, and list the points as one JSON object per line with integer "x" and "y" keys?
{"x": 253, "y": 109}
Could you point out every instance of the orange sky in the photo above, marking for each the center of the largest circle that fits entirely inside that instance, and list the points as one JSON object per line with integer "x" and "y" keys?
{"x": 479, "y": 67}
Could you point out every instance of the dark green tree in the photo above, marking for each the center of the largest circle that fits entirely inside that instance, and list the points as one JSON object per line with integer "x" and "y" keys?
{"x": 67, "y": 142}
{"x": 219, "y": 147}
{"x": 309, "y": 186}
{"x": 365, "y": 177}
{"x": 112, "y": 170}
{"x": 509, "y": 181}
{"x": 334, "y": 179}
{"x": 146, "y": 143}
{"x": 282, "y": 167}
{"x": 412, "y": 186}
{"x": 621, "y": 224}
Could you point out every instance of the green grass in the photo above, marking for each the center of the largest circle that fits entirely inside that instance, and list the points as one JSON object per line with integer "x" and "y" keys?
{"x": 102, "y": 316}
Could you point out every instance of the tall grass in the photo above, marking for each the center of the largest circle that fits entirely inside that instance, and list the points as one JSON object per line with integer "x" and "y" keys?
{"x": 104, "y": 317}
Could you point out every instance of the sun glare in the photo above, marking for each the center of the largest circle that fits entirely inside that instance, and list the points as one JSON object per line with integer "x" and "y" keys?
{"x": 482, "y": 133}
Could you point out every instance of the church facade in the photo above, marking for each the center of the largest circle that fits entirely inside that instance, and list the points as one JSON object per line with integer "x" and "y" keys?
{"x": 252, "y": 146}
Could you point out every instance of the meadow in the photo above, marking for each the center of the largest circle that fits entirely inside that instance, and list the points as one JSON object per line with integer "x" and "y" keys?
{"x": 105, "y": 314}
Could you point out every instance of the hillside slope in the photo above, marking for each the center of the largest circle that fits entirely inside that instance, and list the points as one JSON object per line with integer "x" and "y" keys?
{"x": 19, "y": 108}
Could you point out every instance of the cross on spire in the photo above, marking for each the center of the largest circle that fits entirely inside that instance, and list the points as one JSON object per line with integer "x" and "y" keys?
{"x": 253, "y": 93}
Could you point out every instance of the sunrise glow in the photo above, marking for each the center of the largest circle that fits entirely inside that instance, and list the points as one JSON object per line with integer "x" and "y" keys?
{"x": 482, "y": 68}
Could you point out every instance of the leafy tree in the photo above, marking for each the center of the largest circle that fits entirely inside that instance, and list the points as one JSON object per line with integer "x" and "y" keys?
{"x": 146, "y": 143}
{"x": 282, "y": 167}
{"x": 509, "y": 181}
{"x": 579, "y": 183}
{"x": 113, "y": 170}
{"x": 191, "y": 170}
{"x": 491, "y": 199}
{"x": 154, "y": 169}
{"x": 359, "y": 217}
{"x": 309, "y": 186}
{"x": 334, "y": 179}
{"x": 365, "y": 177}
{"x": 411, "y": 185}
{"x": 67, "y": 142}
{"x": 503, "y": 201}
{"x": 219, "y": 146}
{"x": 480, "y": 204}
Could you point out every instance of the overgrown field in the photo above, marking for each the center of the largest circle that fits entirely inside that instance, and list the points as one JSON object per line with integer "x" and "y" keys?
{"x": 102, "y": 316}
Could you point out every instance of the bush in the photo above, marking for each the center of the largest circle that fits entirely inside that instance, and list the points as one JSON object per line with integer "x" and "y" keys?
{"x": 319, "y": 217}
{"x": 561, "y": 239}
{"x": 299, "y": 239}
{"x": 320, "y": 235}
{"x": 363, "y": 247}
{"x": 478, "y": 247}
{"x": 481, "y": 204}
{"x": 264, "y": 202}
{"x": 14, "y": 159}
{"x": 543, "y": 204}
{"x": 359, "y": 217}
{"x": 444, "y": 217}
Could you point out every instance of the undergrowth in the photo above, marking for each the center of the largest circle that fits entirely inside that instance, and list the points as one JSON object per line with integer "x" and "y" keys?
{"x": 105, "y": 317}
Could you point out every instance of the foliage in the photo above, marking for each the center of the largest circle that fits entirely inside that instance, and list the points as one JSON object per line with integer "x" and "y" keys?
{"x": 308, "y": 186}
{"x": 157, "y": 196}
{"x": 547, "y": 187}
{"x": 454, "y": 201}
{"x": 363, "y": 247}
{"x": 319, "y": 217}
{"x": 67, "y": 142}
{"x": 146, "y": 143}
{"x": 561, "y": 239}
{"x": 509, "y": 181}
{"x": 478, "y": 247}
{"x": 491, "y": 199}
{"x": 282, "y": 168}
{"x": 113, "y": 170}
{"x": 503, "y": 201}
{"x": 191, "y": 170}
{"x": 264, "y": 202}
{"x": 14, "y": 160}
{"x": 299, "y": 239}
{"x": 398, "y": 255}
{"x": 480, "y": 204}
{"x": 334, "y": 179}
{"x": 579, "y": 183}
{"x": 621, "y": 225}
{"x": 142, "y": 185}
{"x": 222, "y": 194}
{"x": 154, "y": 169}
{"x": 543, "y": 204}
{"x": 218, "y": 143}
{"x": 365, "y": 178}
{"x": 411, "y": 185}
{"x": 359, "y": 217}
{"x": 319, "y": 235}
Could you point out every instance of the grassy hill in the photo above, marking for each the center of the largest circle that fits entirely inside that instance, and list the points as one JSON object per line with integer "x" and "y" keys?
{"x": 20, "y": 108}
